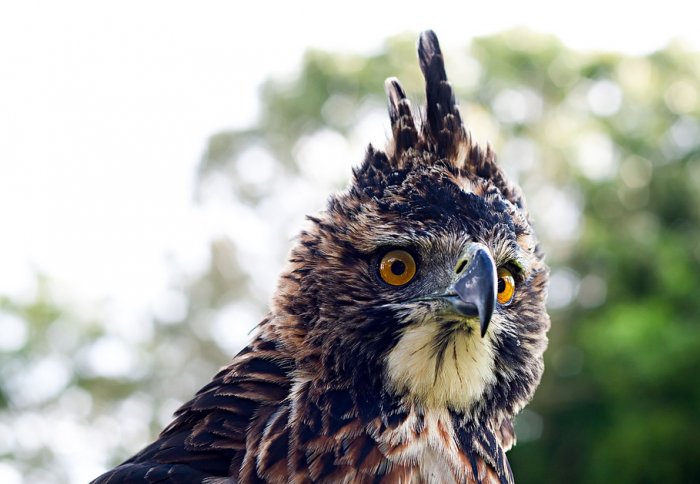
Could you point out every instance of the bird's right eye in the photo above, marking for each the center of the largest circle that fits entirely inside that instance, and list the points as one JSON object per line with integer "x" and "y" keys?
{"x": 397, "y": 267}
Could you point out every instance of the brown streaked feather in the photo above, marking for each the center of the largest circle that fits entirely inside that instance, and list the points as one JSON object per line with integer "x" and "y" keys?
{"x": 506, "y": 435}
{"x": 271, "y": 459}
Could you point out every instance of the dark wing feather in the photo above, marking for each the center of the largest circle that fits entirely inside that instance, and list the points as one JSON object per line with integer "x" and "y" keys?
{"x": 208, "y": 436}
{"x": 172, "y": 474}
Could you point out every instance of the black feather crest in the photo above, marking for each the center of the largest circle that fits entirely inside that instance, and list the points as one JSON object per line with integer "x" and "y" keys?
{"x": 443, "y": 122}
{"x": 442, "y": 132}
{"x": 442, "y": 137}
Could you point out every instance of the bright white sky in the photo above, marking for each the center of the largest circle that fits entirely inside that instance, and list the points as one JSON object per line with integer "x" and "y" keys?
{"x": 100, "y": 103}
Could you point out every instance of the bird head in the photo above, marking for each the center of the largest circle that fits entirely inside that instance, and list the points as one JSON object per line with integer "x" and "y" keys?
{"x": 423, "y": 280}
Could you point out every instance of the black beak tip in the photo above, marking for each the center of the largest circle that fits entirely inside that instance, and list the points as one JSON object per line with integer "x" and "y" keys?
{"x": 484, "y": 325}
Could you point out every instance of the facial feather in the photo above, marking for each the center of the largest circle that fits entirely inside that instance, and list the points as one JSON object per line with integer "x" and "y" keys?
{"x": 387, "y": 339}
{"x": 438, "y": 369}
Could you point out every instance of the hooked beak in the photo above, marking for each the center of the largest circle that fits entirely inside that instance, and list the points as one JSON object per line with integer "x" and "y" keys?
{"x": 476, "y": 289}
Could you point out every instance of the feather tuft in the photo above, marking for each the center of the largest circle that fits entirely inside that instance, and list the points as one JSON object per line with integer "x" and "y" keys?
{"x": 443, "y": 123}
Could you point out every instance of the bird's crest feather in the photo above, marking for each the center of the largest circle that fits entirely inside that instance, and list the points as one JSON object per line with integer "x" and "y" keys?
{"x": 438, "y": 134}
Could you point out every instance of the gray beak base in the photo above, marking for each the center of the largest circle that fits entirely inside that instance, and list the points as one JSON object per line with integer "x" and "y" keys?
{"x": 476, "y": 289}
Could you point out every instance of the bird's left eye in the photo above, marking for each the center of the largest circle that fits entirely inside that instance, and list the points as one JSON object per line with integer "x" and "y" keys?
{"x": 397, "y": 267}
{"x": 506, "y": 286}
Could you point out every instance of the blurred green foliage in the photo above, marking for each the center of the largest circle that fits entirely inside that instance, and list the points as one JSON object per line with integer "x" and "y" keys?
{"x": 607, "y": 151}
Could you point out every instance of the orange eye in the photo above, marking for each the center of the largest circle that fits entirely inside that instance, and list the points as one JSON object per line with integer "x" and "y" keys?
{"x": 397, "y": 267}
{"x": 506, "y": 286}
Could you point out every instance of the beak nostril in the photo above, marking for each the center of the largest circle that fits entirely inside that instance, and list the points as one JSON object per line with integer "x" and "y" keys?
{"x": 460, "y": 267}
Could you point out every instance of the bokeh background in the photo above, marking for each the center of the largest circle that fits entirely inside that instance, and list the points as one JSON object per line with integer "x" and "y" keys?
{"x": 156, "y": 159}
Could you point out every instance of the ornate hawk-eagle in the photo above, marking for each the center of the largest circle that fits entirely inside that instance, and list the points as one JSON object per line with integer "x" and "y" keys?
{"x": 406, "y": 331}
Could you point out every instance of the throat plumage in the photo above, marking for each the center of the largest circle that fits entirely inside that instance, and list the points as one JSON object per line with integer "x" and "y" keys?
{"x": 439, "y": 368}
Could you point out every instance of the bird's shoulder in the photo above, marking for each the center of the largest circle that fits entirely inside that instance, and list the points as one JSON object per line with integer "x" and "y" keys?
{"x": 209, "y": 435}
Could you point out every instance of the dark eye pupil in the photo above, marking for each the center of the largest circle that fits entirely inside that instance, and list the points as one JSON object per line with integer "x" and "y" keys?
{"x": 501, "y": 285}
{"x": 398, "y": 268}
